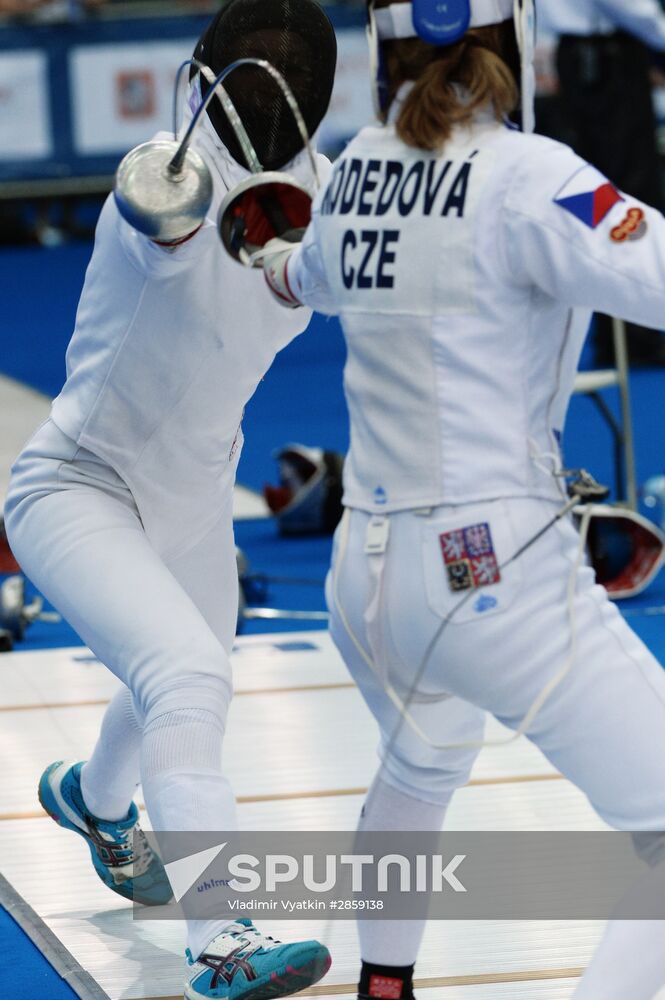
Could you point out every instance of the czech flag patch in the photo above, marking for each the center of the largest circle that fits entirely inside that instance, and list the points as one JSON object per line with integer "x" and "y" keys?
{"x": 588, "y": 196}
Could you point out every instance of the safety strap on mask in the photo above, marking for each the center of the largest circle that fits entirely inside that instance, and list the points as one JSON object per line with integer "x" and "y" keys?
{"x": 408, "y": 20}
{"x": 405, "y": 20}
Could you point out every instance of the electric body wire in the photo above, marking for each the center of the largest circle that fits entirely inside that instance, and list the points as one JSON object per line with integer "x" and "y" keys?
{"x": 404, "y": 705}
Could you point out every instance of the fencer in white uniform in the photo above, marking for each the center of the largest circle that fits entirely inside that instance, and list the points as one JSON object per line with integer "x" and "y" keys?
{"x": 120, "y": 507}
{"x": 464, "y": 277}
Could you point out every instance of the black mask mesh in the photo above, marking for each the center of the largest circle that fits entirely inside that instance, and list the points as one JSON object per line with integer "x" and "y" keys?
{"x": 298, "y": 39}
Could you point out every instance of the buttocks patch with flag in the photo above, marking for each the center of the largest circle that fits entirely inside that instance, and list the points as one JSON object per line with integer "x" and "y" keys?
{"x": 469, "y": 556}
{"x": 589, "y": 196}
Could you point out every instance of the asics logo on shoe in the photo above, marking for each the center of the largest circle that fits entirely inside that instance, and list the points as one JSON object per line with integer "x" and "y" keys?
{"x": 110, "y": 853}
{"x": 226, "y": 968}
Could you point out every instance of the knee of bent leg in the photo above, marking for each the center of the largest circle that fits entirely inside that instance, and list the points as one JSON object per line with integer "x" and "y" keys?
{"x": 194, "y": 690}
{"x": 430, "y": 774}
{"x": 23, "y": 537}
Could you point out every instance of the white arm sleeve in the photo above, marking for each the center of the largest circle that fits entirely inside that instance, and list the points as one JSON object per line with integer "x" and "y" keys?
{"x": 155, "y": 260}
{"x": 307, "y": 275}
{"x": 567, "y": 231}
{"x": 643, "y": 18}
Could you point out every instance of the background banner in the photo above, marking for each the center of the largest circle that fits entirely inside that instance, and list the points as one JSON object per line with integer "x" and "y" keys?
{"x": 91, "y": 90}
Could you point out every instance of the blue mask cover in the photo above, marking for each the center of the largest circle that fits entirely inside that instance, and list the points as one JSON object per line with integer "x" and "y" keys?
{"x": 441, "y": 22}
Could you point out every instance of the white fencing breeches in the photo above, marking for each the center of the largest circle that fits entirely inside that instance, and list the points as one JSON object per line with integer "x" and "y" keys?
{"x": 603, "y": 727}
{"x": 165, "y": 627}
{"x": 159, "y": 626}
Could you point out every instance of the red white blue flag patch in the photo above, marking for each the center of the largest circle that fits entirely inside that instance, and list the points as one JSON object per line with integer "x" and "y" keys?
{"x": 588, "y": 196}
{"x": 469, "y": 557}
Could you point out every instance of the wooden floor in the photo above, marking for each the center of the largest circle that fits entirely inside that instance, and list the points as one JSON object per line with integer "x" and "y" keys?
{"x": 294, "y": 700}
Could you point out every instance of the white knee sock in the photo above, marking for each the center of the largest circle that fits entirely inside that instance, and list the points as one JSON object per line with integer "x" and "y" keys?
{"x": 394, "y": 942}
{"x": 630, "y": 959}
{"x": 629, "y": 963}
{"x": 110, "y": 778}
{"x": 184, "y": 789}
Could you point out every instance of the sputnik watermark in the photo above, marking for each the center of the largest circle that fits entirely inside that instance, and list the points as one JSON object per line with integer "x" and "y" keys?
{"x": 269, "y": 873}
{"x": 422, "y": 874}
{"x": 337, "y": 876}
{"x": 406, "y": 875}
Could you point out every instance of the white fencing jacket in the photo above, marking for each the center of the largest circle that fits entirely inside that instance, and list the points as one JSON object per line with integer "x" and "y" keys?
{"x": 168, "y": 347}
{"x": 456, "y": 277}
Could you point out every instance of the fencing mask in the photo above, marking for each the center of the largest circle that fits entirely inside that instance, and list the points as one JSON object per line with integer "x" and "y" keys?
{"x": 625, "y": 549}
{"x": 308, "y": 499}
{"x": 297, "y": 38}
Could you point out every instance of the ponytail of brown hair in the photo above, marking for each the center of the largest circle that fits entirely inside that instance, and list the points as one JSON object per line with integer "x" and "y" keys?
{"x": 451, "y": 83}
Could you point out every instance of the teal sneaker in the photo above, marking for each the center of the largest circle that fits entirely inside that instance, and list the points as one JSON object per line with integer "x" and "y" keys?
{"x": 243, "y": 963}
{"x": 120, "y": 853}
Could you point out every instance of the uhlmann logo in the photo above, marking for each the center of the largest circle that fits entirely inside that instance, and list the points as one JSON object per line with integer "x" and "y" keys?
{"x": 319, "y": 873}
{"x": 213, "y": 883}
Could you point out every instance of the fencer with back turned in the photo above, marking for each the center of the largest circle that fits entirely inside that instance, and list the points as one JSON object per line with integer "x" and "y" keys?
{"x": 464, "y": 258}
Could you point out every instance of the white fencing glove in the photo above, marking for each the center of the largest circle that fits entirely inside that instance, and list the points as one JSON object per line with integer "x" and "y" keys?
{"x": 274, "y": 258}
